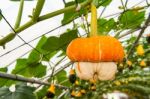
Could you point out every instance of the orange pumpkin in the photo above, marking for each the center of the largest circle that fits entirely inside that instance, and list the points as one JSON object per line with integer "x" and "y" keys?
{"x": 95, "y": 49}
{"x": 95, "y": 57}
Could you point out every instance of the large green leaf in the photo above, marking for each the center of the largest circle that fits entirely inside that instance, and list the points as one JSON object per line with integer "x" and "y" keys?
{"x": 51, "y": 44}
{"x": 131, "y": 19}
{"x": 29, "y": 70}
{"x": 39, "y": 54}
{"x": 66, "y": 38}
{"x": 105, "y": 26}
{"x": 22, "y": 92}
{"x": 57, "y": 43}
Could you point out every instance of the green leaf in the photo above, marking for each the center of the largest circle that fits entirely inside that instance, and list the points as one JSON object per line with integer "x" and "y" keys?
{"x": 29, "y": 70}
{"x": 70, "y": 16}
{"x": 42, "y": 92}
{"x": 105, "y": 26}
{"x": 66, "y": 38}
{"x": 36, "y": 56}
{"x": 4, "y": 69}
{"x": 6, "y": 82}
{"x": 62, "y": 78}
{"x": 131, "y": 19}
{"x": 104, "y": 2}
{"x": 51, "y": 44}
{"x": 22, "y": 92}
{"x": 57, "y": 43}
{"x": 49, "y": 55}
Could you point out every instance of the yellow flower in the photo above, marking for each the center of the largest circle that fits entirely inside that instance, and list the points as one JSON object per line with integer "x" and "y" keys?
{"x": 52, "y": 89}
{"x": 142, "y": 63}
{"x": 83, "y": 91}
{"x": 78, "y": 94}
{"x": 76, "y": 82}
{"x": 129, "y": 63}
{"x": 73, "y": 93}
{"x": 93, "y": 81}
{"x": 140, "y": 50}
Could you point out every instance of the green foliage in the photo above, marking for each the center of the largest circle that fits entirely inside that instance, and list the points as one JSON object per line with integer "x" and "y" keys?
{"x": 70, "y": 16}
{"x": 105, "y": 26}
{"x": 29, "y": 70}
{"x": 4, "y": 69}
{"x": 42, "y": 92}
{"x": 59, "y": 43}
{"x": 137, "y": 88}
{"x": 131, "y": 19}
{"x": 130, "y": 79}
{"x": 22, "y": 91}
{"x": 39, "y": 54}
{"x": 3, "y": 81}
{"x": 62, "y": 78}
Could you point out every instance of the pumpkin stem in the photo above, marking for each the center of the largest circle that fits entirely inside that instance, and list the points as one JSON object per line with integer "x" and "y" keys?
{"x": 93, "y": 20}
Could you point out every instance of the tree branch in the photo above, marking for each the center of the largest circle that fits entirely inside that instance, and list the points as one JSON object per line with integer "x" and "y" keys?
{"x": 11, "y": 36}
{"x": 23, "y": 79}
{"x": 140, "y": 34}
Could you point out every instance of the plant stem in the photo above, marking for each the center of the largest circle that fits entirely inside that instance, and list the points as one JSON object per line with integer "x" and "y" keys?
{"x": 67, "y": 9}
{"x": 38, "y": 10}
{"x": 18, "y": 20}
{"x": 93, "y": 20}
{"x": 11, "y": 36}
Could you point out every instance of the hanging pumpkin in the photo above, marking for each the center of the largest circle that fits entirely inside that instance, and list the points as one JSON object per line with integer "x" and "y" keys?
{"x": 95, "y": 56}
